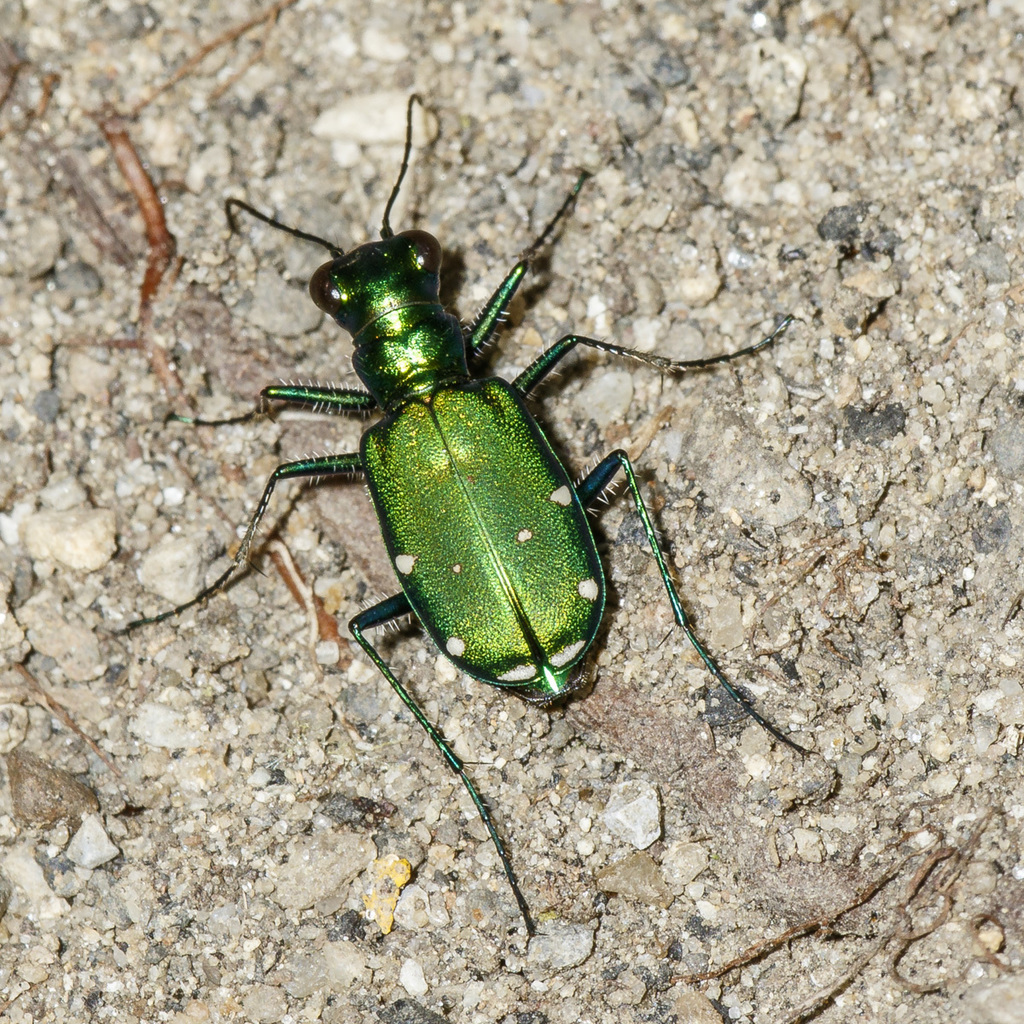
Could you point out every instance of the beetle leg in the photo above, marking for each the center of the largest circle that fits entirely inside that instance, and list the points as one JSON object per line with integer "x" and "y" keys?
{"x": 546, "y": 361}
{"x": 317, "y": 397}
{"x": 589, "y": 490}
{"x": 326, "y": 465}
{"x": 393, "y": 608}
{"x": 486, "y": 322}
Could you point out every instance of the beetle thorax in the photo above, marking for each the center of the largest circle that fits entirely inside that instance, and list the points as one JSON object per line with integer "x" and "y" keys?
{"x": 410, "y": 352}
{"x": 386, "y": 294}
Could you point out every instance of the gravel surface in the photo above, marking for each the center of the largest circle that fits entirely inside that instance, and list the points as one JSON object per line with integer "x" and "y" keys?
{"x": 229, "y": 816}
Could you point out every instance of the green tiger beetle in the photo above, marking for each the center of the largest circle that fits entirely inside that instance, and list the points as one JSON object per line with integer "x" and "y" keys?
{"x": 485, "y": 528}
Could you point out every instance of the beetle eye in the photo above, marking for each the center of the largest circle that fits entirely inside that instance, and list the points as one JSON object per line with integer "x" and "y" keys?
{"x": 426, "y": 252}
{"x": 324, "y": 291}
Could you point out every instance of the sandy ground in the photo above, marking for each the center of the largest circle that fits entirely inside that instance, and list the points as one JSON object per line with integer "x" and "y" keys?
{"x": 190, "y": 817}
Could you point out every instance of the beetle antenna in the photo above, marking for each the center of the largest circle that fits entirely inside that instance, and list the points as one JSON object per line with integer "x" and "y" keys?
{"x": 385, "y": 227}
{"x": 229, "y": 210}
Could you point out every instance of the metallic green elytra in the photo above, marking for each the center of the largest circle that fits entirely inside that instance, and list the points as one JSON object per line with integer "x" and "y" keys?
{"x": 486, "y": 530}
{"x": 488, "y": 536}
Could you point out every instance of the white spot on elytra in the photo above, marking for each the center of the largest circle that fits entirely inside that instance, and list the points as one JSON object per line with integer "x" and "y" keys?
{"x": 588, "y": 589}
{"x": 566, "y": 654}
{"x": 456, "y": 568}
{"x": 456, "y": 646}
{"x": 519, "y": 674}
{"x": 524, "y": 535}
{"x": 404, "y": 563}
{"x": 562, "y": 496}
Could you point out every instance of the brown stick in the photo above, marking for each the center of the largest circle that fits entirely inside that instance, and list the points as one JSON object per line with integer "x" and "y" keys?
{"x": 159, "y": 240}
{"x": 327, "y": 625}
{"x": 197, "y": 58}
{"x": 56, "y": 708}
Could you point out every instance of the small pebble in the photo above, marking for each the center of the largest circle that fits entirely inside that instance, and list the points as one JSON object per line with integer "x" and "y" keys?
{"x": 842, "y": 223}
{"x": 991, "y": 260}
{"x": 320, "y": 867}
{"x": 345, "y": 964}
{"x": 1006, "y": 443}
{"x": 560, "y": 945}
{"x": 695, "y": 1008}
{"x": 682, "y": 863}
{"x": 265, "y": 1004}
{"x": 990, "y": 937}
{"x": 77, "y": 280}
{"x": 90, "y": 846}
{"x": 413, "y": 908}
{"x": 71, "y": 644}
{"x": 328, "y": 652}
{"x": 46, "y": 405}
{"x": 82, "y": 539}
{"x": 411, "y": 978}
{"x": 13, "y": 720}
{"x": 160, "y": 726}
{"x": 776, "y": 81}
{"x": 873, "y": 283}
{"x": 172, "y": 569}
{"x": 369, "y": 120}
{"x": 809, "y": 847}
{"x": 26, "y": 875}
{"x": 29, "y": 248}
{"x": 408, "y": 1011}
{"x": 700, "y": 287}
{"x": 305, "y": 973}
{"x": 62, "y": 493}
{"x": 633, "y": 813}
{"x": 636, "y": 877}
{"x": 42, "y": 795}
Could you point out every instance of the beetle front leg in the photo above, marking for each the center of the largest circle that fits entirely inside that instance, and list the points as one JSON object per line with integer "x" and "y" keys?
{"x": 486, "y": 322}
{"x": 317, "y": 397}
{"x": 394, "y": 608}
{"x": 589, "y": 491}
{"x": 324, "y": 466}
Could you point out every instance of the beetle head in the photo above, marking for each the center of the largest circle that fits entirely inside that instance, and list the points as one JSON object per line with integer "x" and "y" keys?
{"x": 378, "y": 278}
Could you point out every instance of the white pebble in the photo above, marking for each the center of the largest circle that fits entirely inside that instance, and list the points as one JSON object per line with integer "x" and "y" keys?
{"x": 172, "y": 569}
{"x": 375, "y": 118}
{"x": 161, "y": 726}
{"x": 63, "y": 493}
{"x": 328, "y": 652}
{"x": 91, "y": 846}
{"x": 607, "y": 398}
{"x": 561, "y": 944}
{"x": 83, "y": 539}
{"x": 410, "y": 977}
{"x": 633, "y": 813}
{"x": 699, "y": 288}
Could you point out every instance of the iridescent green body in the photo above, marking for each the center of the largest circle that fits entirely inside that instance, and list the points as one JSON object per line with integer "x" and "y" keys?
{"x": 488, "y": 537}
{"x": 483, "y": 525}
{"x": 487, "y": 532}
